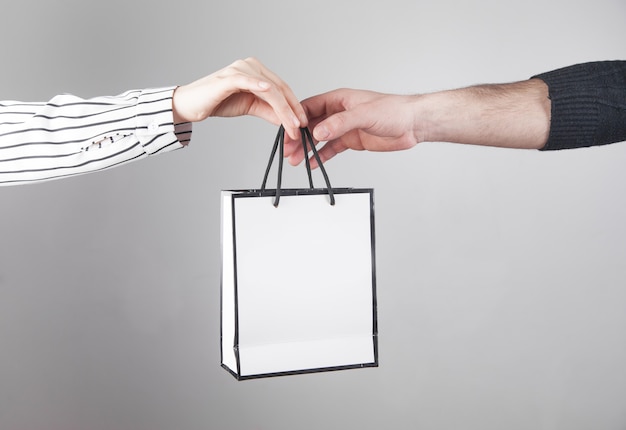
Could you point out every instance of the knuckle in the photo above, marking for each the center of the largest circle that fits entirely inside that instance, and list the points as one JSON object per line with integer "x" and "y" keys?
{"x": 236, "y": 63}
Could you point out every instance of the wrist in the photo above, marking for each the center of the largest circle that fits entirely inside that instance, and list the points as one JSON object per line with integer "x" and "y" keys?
{"x": 183, "y": 106}
{"x": 177, "y": 118}
{"x": 430, "y": 114}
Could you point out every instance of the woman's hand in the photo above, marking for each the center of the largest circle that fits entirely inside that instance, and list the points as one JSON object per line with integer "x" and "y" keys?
{"x": 246, "y": 87}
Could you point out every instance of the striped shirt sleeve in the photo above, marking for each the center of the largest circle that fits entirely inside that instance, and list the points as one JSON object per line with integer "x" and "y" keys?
{"x": 69, "y": 136}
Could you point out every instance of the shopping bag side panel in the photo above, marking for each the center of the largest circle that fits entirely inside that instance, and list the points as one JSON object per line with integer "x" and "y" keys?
{"x": 373, "y": 260}
{"x": 228, "y": 287}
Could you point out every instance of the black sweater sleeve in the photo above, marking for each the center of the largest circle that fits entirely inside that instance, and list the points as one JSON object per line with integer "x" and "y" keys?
{"x": 588, "y": 104}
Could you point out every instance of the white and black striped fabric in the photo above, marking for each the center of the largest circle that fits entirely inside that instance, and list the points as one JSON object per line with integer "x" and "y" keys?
{"x": 68, "y": 136}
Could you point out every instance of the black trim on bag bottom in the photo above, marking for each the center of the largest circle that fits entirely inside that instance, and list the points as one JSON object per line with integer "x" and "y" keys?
{"x": 300, "y": 372}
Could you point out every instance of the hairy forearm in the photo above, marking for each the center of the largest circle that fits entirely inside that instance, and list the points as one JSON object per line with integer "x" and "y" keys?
{"x": 515, "y": 115}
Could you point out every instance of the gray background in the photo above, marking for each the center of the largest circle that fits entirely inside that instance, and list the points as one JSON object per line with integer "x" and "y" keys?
{"x": 501, "y": 275}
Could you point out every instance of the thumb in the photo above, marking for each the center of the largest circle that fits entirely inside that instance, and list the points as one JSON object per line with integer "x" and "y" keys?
{"x": 339, "y": 124}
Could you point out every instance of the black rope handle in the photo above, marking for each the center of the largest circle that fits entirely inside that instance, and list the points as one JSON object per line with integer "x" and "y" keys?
{"x": 280, "y": 133}
{"x": 306, "y": 159}
{"x": 279, "y": 144}
{"x": 320, "y": 164}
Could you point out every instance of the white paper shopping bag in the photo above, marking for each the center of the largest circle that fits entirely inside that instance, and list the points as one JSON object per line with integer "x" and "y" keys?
{"x": 298, "y": 289}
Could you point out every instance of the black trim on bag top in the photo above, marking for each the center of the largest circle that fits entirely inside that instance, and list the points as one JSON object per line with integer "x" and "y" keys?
{"x": 295, "y": 192}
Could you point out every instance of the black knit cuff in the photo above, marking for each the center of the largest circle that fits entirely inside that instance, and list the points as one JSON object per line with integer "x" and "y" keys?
{"x": 588, "y": 104}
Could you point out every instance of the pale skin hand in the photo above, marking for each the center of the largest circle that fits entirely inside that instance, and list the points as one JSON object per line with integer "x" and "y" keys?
{"x": 246, "y": 87}
{"x": 515, "y": 115}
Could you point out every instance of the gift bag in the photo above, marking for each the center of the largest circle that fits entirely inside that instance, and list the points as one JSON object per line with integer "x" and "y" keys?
{"x": 298, "y": 286}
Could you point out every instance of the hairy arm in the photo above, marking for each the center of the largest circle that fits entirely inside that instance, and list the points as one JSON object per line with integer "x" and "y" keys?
{"x": 515, "y": 115}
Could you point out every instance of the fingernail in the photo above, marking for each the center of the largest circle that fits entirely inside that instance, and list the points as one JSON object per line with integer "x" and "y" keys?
{"x": 303, "y": 119}
{"x": 321, "y": 132}
{"x": 264, "y": 85}
{"x": 295, "y": 121}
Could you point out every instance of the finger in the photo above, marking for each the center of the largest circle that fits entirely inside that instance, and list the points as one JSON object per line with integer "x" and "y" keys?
{"x": 279, "y": 96}
{"x": 269, "y": 104}
{"x": 275, "y": 98}
{"x": 291, "y": 99}
{"x": 291, "y": 146}
{"x": 295, "y": 145}
{"x": 323, "y": 105}
{"x": 338, "y": 124}
{"x": 283, "y": 88}
{"x": 294, "y": 150}
{"x": 232, "y": 83}
{"x": 326, "y": 152}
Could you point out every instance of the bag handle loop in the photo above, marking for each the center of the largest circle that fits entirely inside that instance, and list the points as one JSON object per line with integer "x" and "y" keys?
{"x": 279, "y": 142}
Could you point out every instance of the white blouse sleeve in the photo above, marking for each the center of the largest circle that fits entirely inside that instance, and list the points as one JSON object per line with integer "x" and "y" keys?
{"x": 69, "y": 136}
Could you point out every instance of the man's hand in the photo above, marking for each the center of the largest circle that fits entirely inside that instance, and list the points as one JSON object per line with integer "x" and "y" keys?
{"x": 358, "y": 120}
